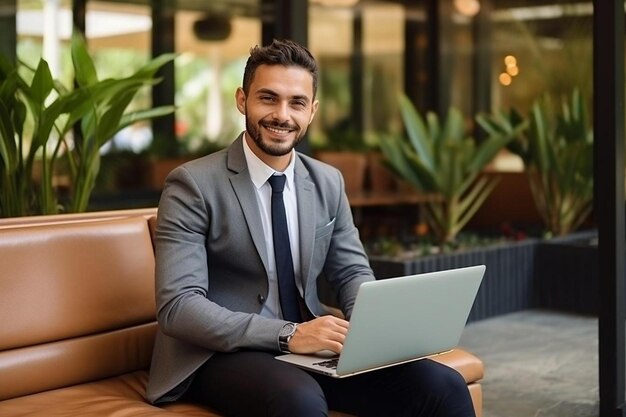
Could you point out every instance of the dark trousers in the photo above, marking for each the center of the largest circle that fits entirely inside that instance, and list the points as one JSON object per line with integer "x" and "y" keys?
{"x": 251, "y": 383}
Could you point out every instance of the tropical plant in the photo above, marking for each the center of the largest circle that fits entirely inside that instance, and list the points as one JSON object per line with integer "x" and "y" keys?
{"x": 556, "y": 145}
{"x": 37, "y": 116}
{"x": 440, "y": 159}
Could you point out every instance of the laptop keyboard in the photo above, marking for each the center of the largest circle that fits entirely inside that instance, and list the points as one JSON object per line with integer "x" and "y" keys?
{"x": 330, "y": 364}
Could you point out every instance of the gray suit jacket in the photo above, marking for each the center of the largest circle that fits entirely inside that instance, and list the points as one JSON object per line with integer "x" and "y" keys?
{"x": 211, "y": 260}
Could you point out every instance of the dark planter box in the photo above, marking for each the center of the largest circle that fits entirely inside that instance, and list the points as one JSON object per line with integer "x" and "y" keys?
{"x": 508, "y": 283}
{"x": 566, "y": 273}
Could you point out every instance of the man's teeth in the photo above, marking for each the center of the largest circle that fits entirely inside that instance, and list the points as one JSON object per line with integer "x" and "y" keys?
{"x": 277, "y": 130}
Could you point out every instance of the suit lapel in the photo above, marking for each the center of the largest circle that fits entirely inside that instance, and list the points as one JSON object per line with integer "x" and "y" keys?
{"x": 305, "y": 192}
{"x": 244, "y": 189}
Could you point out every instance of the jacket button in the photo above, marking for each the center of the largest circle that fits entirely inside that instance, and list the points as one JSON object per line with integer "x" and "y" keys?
{"x": 261, "y": 299}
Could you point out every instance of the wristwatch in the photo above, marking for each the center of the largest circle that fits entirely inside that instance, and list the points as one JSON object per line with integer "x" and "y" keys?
{"x": 285, "y": 335}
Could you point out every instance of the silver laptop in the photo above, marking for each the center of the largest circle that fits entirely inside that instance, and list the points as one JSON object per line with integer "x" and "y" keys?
{"x": 399, "y": 320}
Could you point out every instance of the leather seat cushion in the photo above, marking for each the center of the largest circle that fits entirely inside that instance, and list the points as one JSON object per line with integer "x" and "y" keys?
{"x": 120, "y": 396}
{"x": 123, "y": 396}
{"x": 114, "y": 397}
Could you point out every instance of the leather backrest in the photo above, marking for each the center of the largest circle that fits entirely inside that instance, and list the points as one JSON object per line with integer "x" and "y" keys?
{"x": 76, "y": 303}
{"x": 11, "y": 222}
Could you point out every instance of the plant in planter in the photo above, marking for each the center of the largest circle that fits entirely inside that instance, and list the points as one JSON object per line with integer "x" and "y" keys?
{"x": 556, "y": 146}
{"x": 439, "y": 158}
{"x": 37, "y": 114}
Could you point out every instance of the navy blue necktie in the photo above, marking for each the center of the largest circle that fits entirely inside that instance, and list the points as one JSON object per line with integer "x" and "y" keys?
{"x": 289, "y": 297}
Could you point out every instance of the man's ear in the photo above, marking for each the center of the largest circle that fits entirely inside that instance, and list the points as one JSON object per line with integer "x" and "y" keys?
{"x": 315, "y": 106}
{"x": 240, "y": 99}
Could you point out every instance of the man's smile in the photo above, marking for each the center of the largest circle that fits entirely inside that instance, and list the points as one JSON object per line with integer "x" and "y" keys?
{"x": 277, "y": 130}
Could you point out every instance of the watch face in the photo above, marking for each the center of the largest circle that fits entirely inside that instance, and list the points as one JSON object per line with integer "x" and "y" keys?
{"x": 288, "y": 329}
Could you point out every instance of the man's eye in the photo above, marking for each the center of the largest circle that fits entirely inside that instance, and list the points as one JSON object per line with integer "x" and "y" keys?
{"x": 299, "y": 103}
{"x": 267, "y": 98}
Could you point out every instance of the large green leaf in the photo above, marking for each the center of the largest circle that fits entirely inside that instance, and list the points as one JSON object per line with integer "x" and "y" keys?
{"x": 511, "y": 125}
{"x": 454, "y": 127}
{"x": 149, "y": 70}
{"x": 450, "y": 171}
{"x": 111, "y": 117}
{"x": 487, "y": 151}
{"x": 421, "y": 174}
{"x": 474, "y": 200}
{"x": 140, "y": 115}
{"x": 42, "y": 83}
{"x": 418, "y": 135}
{"x": 397, "y": 160}
{"x": 19, "y": 118}
{"x": 84, "y": 68}
{"x": 8, "y": 149}
{"x": 76, "y": 104}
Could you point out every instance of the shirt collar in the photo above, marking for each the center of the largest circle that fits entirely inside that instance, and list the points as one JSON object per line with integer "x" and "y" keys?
{"x": 260, "y": 171}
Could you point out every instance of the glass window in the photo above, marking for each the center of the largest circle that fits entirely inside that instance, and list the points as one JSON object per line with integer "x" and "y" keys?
{"x": 539, "y": 49}
{"x": 207, "y": 74}
{"x": 361, "y": 70}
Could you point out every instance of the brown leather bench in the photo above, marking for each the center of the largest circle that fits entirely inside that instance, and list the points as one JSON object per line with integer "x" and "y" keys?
{"x": 78, "y": 318}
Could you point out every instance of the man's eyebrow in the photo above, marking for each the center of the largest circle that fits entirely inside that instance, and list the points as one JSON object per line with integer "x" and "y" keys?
{"x": 274, "y": 93}
{"x": 266, "y": 91}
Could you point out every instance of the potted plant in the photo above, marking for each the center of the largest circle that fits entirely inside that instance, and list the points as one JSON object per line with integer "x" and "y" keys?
{"x": 439, "y": 158}
{"x": 37, "y": 114}
{"x": 556, "y": 145}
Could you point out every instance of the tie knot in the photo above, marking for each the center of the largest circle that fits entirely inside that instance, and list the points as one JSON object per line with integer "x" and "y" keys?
{"x": 277, "y": 182}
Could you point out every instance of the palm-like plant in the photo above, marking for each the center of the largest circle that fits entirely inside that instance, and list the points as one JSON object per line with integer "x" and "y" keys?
{"x": 441, "y": 159}
{"x": 556, "y": 145}
{"x": 36, "y": 116}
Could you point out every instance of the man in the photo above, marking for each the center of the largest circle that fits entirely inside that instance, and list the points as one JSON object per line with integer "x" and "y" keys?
{"x": 231, "y": 293}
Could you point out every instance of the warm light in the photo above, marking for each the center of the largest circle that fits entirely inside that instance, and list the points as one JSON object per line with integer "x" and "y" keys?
{"x": 467, "y": 7}
{"x": 510, "y": 61}
{"x": 512, "y": 70}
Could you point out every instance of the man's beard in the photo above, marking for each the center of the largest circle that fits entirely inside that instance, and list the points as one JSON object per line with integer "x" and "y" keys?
{"x": 267, "y": 146}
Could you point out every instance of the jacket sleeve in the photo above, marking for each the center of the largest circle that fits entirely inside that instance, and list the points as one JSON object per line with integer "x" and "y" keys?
{"x": 184, "y": 308}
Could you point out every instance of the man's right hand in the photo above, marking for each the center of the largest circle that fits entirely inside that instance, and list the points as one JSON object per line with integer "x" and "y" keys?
{"x": 321, "y": 333}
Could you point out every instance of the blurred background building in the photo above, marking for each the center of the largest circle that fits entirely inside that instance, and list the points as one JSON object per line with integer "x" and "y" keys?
{"x": 476, "y": 55}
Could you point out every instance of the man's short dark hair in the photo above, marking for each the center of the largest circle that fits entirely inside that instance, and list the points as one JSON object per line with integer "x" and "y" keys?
{"x": 281, "y": 52}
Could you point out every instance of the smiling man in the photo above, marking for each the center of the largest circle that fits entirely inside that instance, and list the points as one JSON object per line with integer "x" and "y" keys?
{"x": 242, "y": 237}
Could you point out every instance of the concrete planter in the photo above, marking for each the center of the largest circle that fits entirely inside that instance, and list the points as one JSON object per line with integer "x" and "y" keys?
{"x": 559, "y": 274}
{"x": 566, "y": 273}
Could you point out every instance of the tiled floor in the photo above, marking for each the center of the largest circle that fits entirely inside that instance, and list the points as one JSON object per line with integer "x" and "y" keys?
{"x": 537, "y": 364}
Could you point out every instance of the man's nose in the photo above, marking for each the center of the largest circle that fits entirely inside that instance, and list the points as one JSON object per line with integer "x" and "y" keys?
{"x": 281, "y": 111}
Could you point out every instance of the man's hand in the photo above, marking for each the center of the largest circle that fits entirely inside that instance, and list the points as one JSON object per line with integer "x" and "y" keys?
{"x": 322, "y": 333}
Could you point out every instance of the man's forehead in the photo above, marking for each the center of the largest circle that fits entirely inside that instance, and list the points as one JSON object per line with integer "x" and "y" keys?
{"x": 280, "y": 79}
